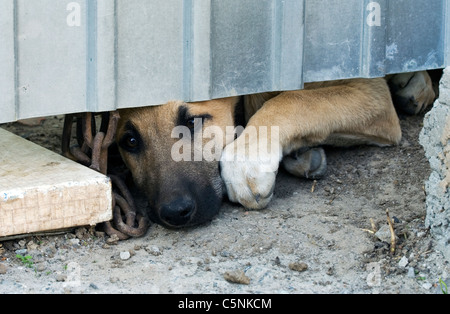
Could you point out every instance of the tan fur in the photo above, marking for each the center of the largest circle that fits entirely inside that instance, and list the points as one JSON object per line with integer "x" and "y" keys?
{"x": 343, "y": 113}
{"x": 164, "y": 180}
{"x": 326, "y": 112}
{"x": 155, "y": 125}
{"x": 414, "y": 91}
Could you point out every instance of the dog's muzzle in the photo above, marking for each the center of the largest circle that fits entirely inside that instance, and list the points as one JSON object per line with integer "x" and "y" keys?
{"x": 178, "y": 213}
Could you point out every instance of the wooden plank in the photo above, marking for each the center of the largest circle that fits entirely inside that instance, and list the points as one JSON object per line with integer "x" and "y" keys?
{"x": 41, "y": 190}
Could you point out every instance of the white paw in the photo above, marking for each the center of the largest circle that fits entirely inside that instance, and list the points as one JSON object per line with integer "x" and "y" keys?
{"x": 249, "y": 174}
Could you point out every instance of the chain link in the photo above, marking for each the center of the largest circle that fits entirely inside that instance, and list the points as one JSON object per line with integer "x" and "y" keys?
{"x": 91, "y": 150}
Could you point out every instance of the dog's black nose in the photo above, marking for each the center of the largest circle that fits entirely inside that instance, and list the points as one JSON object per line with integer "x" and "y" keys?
{"x": 178, "y": 212}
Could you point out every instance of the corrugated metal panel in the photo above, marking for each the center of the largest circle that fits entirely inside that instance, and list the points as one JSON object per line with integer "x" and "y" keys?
{"x": 7, "y": 62}
{"x": 51, "y": 58}
{"x": 97, "y": 55}
{"x": 206, "y": 49}
{"x": 416, "y": 37}
{"x": 255, "y": 47}
{"x": 354, "y": 38}
{"x": 337, "y": 40}
{"x": 43, "y": 62}
{"x": 150, "y": 49}
{"x": 446, "y": 34}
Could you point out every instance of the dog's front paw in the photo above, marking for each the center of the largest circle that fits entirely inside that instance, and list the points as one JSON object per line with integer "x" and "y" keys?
{"x": 249, "y": 175}
{"x": 412, "y": 92}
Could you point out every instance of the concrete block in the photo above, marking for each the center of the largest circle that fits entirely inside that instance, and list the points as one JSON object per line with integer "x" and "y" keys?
{"x": 435, "y": 138}
{"x": 43, "y": 191}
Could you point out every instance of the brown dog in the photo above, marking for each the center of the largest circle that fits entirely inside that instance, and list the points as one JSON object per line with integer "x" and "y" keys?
{"x": 186, "y": 156}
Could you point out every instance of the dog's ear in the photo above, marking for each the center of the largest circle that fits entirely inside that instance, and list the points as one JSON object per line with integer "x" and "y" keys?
{"x": 239, "y": 113}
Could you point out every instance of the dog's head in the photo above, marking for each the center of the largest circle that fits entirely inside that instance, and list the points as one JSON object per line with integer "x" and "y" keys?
{"x": 173, "y": 153}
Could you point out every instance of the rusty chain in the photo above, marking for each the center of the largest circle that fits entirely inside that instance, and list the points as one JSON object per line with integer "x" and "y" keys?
{"x": 92, "y": 151}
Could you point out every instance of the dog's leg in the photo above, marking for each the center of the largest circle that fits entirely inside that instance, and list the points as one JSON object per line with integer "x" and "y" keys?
{"x": 412, "y": 92}
{"x": 309, "y": 163}
{"x": 355, "y": 111}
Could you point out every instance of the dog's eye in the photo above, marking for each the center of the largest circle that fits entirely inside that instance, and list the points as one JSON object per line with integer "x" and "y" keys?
{"x": 190, "y": 123}
{"x": 131, "y": 142}
{"x": 196, "y": 121}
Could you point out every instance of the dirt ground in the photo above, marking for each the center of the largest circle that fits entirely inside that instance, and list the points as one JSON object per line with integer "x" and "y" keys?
{"x": 315, "y": 237}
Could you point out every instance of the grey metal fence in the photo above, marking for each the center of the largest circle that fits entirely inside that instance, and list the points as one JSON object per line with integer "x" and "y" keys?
{"x": 61, "y": 56}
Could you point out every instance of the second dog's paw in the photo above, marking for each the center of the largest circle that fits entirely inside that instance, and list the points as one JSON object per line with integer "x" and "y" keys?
{"x": 412, "y": 92}
{"x": 249, "y": 181}
{"x": 310, "y": 163}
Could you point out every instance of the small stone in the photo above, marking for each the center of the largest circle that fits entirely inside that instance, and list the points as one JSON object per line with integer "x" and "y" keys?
{"x": 61, "y": 278}
{"x": 93, "y": 286}
{"x": 330, "y": 271}
{"x": 40, "y": 267}
{"x": 113, "y": 239}
{"x": 74, "y": 242}
{"x": 154, "y": 250}
{"x": 81, "y": 233}
{"x": 403, "y": 262}
{"x": 237, "y": 276}
{"x": 113, "y": 279}
{"x": 421, "y": 234}
{"x": 277, "y": 261}
{"x": 225, "y": 254}
{"x": 3, "y": 269}
{"x": 22, "y": 252}
{"x": 384, "y": 234}
{"x": 32, "y": 246}
{"x": 125, "y": 255}
{"x": 411, "y": 272}
{"x": 427, "y": 286}
{"x": 300, "y": 267}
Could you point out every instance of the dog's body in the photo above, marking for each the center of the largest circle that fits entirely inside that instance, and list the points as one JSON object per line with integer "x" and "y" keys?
{"x": 282, "y": 127}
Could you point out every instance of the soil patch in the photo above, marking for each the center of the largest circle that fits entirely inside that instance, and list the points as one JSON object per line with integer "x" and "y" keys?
{"x": 327, "y": 225}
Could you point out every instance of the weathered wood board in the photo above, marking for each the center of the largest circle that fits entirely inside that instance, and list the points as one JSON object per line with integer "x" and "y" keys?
{"x": 42, "y": 191}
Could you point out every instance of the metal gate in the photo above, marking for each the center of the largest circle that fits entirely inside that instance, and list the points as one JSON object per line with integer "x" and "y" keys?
{"x": 60, "y": 57}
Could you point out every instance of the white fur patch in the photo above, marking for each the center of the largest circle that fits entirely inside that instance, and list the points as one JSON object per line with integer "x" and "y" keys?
{"x": 249, "y": 173}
